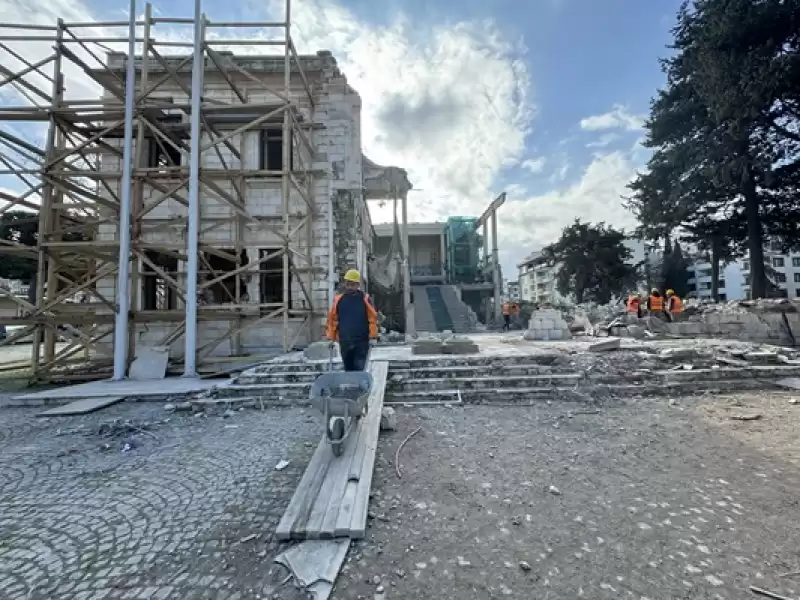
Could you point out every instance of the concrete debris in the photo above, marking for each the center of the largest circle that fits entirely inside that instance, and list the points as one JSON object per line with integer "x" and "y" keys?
{"x": 281, "y": 465}
{"x": 318, "y": 351}
{"x": 150, "y": 363}
{"x": 315, "y": 564}
{"x": 605, "y": 346}
{"x": 554, "y": 490}
{"x": 753, "y": 417}
{"x": 547, "y": 325}
{"x": 388, "y": 419}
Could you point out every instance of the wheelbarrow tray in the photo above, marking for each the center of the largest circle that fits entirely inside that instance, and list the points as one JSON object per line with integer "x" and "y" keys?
{"x": 345, "y": 393}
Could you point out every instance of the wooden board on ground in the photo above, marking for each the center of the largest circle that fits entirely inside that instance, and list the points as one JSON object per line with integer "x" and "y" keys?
{"x": 81, "y": 407}
{"x": 332, "y": 497}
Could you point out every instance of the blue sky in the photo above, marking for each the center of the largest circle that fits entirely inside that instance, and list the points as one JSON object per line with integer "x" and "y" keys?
{"x": 543, "y": 99}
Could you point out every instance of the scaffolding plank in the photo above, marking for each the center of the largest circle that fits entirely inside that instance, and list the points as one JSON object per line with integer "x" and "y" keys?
{"x": 332, "y": 497}
{"x": 81, "y": 407}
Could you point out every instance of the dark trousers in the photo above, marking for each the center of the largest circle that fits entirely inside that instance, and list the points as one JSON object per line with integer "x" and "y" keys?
{"x": 506, "y": 322}
{"x": 354, "y": 354}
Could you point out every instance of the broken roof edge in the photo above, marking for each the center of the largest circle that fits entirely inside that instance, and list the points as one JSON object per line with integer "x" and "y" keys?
{"x": 384, "y": 182}
{"x": 320, "y": 61}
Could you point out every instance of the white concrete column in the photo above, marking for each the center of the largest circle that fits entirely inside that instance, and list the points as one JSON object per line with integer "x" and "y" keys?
{"x": 498, "y": 283}
{"x": 407, "y": 307}
{"x": 443, "y": 255}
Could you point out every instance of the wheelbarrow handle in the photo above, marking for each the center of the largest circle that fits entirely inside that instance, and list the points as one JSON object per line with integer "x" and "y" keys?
{"x": 330, "y": 357}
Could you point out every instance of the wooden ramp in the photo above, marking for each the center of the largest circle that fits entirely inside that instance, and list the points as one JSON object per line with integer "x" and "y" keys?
{"x": 332, "y": 497}
{"x": 81, "y": 407}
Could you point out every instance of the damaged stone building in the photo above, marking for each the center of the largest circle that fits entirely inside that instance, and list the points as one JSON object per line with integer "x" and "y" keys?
{"x": 245, "y": 201}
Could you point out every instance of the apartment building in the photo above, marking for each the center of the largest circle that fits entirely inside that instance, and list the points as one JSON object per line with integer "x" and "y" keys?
{"x": 512, "y": 291}
{"x": 731, "y": 281}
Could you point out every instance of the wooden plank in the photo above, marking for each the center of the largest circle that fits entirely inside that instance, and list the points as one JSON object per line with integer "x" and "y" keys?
{"x": 298, "y": 505}
{"x": 81, "y": 407}
{"x": 354, "y": 443}
{"x": 329, "y": 491}
{"x": 358, "y": 526}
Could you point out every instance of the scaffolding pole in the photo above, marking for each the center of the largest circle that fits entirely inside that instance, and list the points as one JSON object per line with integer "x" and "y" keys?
{"x": 123, "y": 270}
{"x": 193, "y": 238}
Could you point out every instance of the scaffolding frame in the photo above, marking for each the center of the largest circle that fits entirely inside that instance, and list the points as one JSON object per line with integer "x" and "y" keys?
{"x": 73, "y": 196}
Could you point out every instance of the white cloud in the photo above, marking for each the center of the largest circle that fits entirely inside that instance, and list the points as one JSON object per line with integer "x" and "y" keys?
{"x": 534, "y": 165}
{"x": 617, "y": 118}
{"x": 603, "y": 141}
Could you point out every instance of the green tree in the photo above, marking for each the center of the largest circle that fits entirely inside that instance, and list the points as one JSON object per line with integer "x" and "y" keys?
{"x": 724, "y": 129}
{"x": 675, "y": 274}
{"x": 593, "y": 262}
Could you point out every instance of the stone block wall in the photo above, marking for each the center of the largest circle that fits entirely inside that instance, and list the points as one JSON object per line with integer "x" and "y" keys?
{"x": 547, "y": 325}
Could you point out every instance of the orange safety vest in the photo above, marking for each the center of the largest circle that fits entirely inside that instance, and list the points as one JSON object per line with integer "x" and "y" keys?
{"x": 633, "y": 304}
{"x": 506, "y": 308}
{"x": 656, "y": 303}
{"x": 676, "y": 304}
{"x": 332, "y": 325}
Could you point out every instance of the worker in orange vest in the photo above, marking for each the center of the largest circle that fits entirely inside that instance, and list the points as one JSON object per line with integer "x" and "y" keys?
{"x": 353, "y": 322}
{"x": 506, "y": 316}
{"x": 674, "y": 305}
{"x": 634, "y": 305}
{"x": 655, "y": 303}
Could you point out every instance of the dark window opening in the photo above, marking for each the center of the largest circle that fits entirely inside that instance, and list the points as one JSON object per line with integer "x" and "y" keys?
{"x": 162, "y": 154}
{"x": 271, "y": 155}
{"x": 271, "y": 279}
{"x": 157, "y": 294}
{"x": 224, "y": 290}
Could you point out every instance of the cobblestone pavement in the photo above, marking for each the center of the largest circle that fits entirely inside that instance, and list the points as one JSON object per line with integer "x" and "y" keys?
{"x": 165, "y": 506}
{"x": 647, "y": 499}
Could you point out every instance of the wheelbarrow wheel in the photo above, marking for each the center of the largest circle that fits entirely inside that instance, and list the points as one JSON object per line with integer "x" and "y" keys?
{"x": 337, "y": 433}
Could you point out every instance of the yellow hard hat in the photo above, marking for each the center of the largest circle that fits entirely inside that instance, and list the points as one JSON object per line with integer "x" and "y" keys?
{"x": 352, "y": 275}
{"x": 670, "y": 292}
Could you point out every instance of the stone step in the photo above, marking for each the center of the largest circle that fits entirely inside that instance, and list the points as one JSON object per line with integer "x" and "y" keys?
{"x": 569, "y": 393}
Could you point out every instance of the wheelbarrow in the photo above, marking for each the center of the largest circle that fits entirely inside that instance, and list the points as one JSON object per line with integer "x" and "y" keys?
{"x": 342, "y": 398}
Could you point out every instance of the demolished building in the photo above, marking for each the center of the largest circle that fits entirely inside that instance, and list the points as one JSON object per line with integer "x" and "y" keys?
{"x": 207, "y": 210}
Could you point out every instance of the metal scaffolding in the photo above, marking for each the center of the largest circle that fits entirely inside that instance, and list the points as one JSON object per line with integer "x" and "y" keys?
{"x": 96, "y": 223}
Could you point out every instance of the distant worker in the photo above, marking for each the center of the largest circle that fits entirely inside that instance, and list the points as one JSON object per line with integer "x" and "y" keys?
{"x": 634, "y": 305}
{"x": 353, "y": 322}
{"x": 655, "y": 303}
{"x": 506, "y": 316}
{"x": 674, "y": 305}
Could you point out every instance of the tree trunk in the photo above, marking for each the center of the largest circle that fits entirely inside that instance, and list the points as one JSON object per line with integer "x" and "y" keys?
{"x": 758, "y": 277}
{"x": 715, "y": 244}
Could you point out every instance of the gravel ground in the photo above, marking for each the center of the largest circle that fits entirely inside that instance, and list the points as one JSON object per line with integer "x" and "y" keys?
{"x": 646, "y": 499}
{"x": 639, "y": 499}
{"x": 134, "y": 502}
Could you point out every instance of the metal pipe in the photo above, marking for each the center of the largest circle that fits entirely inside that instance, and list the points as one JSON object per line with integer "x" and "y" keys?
{"x": 123, "y": 270}
{"x": 253, "y": 25}
{"x": 193, "y": 241}
{"x": 411, "y": 326}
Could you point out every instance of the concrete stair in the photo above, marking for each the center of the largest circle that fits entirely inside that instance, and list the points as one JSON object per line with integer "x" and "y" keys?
{"x": 503, "y": 379}
{"x": 423, "y": 316}
{"x": 463, "y": 317}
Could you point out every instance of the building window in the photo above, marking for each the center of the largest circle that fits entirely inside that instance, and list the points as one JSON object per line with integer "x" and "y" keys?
{"x": 723, "y": 298}
{"x": 777, "y": 262}
{"x": 780, "y": 277}
{"x": 746, "y": 266}
{"x": 271, "y": 155}
{"x": 213, "y": 267}
{"x": 721, "y": 283}
{"x": 271, "y": 279}
{"x": 797, "y": 292}
{"x": 796, "y": 261}
{"x": 705, "y": 285}
{"x": 157, "y": 294}
{"x": 797, "y": 277}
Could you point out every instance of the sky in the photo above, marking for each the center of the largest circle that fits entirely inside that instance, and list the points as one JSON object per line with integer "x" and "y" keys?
{"x": 542, "y": 99}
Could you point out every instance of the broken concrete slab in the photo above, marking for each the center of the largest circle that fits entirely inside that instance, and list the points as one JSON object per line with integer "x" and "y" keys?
{"x": 388, "y": 419}
{"x": 315, "y": 564}
{"x": 605, "y": 346}
{"x": 459, "y": 346}
{"x": 678, "y": 353}
{"x": 150, "y": 363}
{"x": 81, "y": 407}
{"x": 426, "y": 346}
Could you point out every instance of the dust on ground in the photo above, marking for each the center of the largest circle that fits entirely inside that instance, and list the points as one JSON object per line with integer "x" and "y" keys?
{"x": 650, "y": 498}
